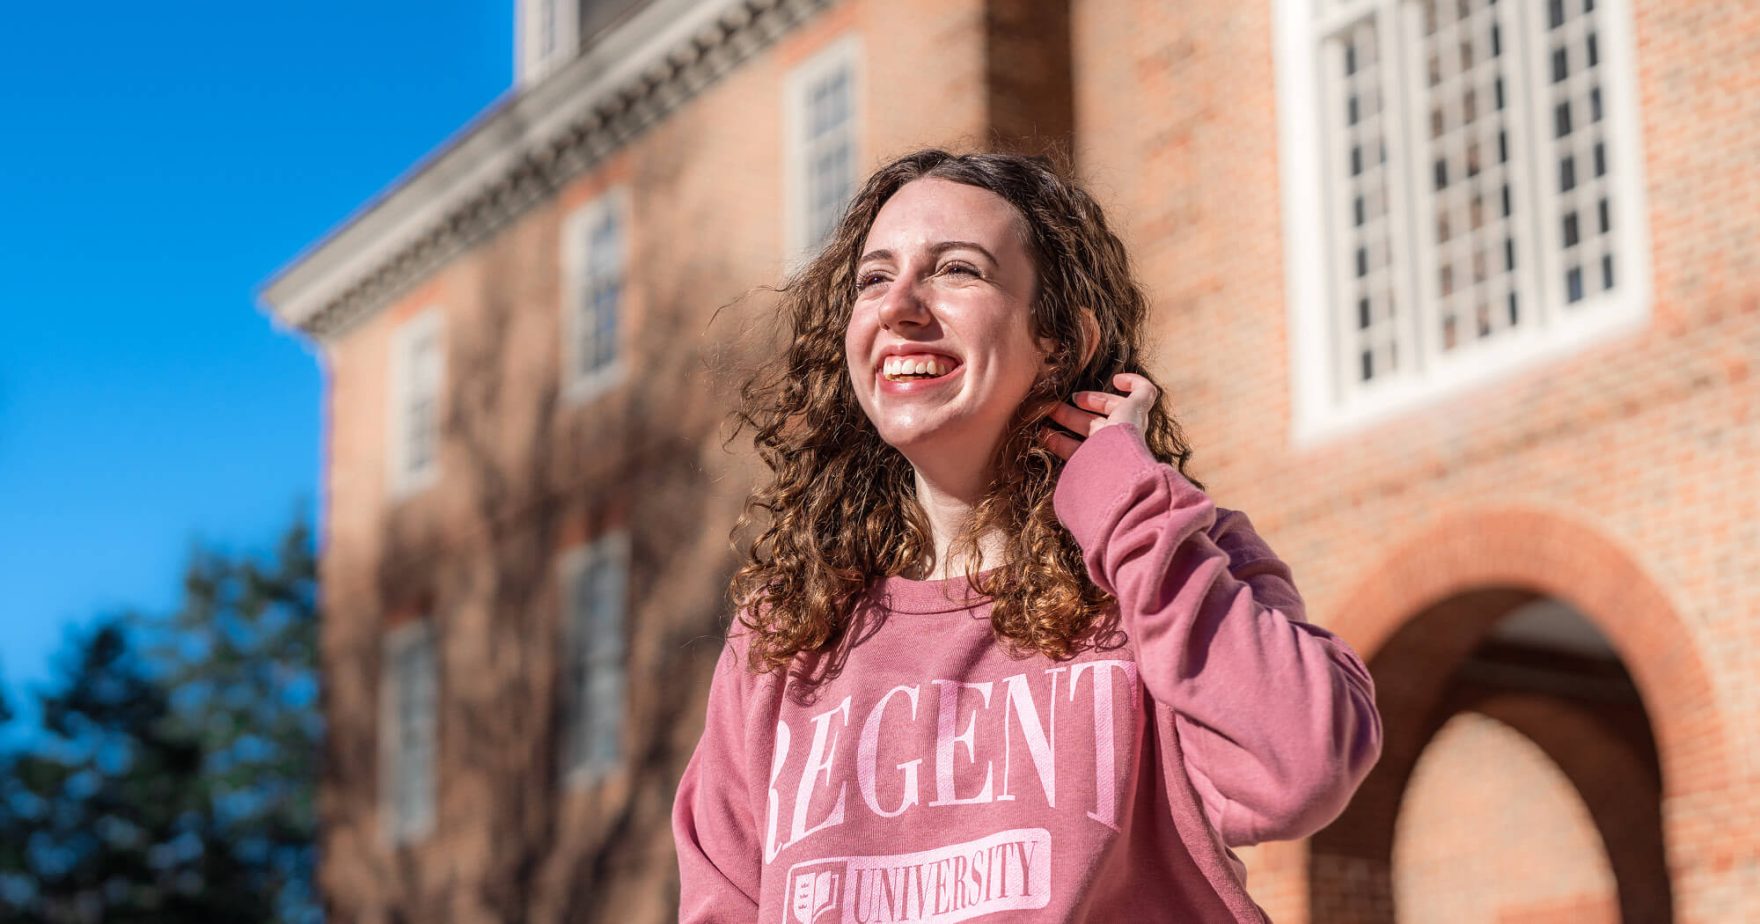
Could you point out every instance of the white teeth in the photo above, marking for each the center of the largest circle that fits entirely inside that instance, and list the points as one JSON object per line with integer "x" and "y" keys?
{"x": 894, "y": 367}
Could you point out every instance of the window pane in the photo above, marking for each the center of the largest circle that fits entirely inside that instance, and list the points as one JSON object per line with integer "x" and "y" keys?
{"x": 418, "y": 425}
{"x": 605, "y": 725}
{"x": 1577, "y": 145}
{"x": 1356, "y": 73}
{"x": 605, "y": 621}
{"x": 598, "y": 297}
{"x": 412, "y": 684}
{"x": 594, "y": 642}
{"x": 1495, "y": 216}
{"x": 828, "y": 152}
{"x": 1469, "y": 192}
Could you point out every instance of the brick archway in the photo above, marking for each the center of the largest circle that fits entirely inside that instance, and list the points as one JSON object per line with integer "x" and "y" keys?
{"x": 1422, "y": 612}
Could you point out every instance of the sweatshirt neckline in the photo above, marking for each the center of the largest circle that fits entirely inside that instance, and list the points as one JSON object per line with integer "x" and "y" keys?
{"x": 945, "y": 595}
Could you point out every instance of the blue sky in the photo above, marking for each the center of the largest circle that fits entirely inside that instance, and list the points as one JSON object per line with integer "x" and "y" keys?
{"x": 157, "y": 163}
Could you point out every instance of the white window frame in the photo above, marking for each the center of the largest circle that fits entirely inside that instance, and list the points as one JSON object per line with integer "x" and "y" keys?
{"x": 560, "y": 19}
{"x": 594, "y": 665}
{"x": 406, "y": 817}
{"x": 1324, "y": 405}
{"x": 844, "y": 53}
{"x": 410, "y": 383}
{"x": 580, "y": 277}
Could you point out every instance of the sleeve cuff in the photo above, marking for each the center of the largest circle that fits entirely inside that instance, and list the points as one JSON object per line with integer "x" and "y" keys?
{"x": 1101, "y": 473}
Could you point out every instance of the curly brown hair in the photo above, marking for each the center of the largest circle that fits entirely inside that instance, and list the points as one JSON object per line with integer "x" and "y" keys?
{"x": 841, "y": 505}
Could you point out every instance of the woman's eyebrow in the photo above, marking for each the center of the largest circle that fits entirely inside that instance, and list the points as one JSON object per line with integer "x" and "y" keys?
{"x": 935, "y": 249}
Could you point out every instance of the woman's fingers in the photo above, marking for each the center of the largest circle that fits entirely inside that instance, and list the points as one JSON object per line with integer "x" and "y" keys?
{"x": 1097, "y": 401}
{"x": 1141, "y": 390}
{"x": 1061, "y": 443}
{"x": 1075, "y": 419}
{"x": 1134, "y": 408}
{"x": 1088, "y": 412}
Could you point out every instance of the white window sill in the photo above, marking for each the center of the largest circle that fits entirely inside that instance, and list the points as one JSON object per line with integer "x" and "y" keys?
{"x": 1315, "y": 425}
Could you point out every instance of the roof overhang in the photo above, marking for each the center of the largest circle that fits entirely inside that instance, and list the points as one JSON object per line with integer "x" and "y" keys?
{"x": 518, "y": 151}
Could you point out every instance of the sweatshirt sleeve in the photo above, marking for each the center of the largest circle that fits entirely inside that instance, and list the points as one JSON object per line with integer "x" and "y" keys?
{"x": 713, "y": 826}
{"x": 1276, "y": 716}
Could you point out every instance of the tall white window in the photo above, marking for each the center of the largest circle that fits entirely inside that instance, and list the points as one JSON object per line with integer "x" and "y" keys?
{"x": 595, "y": 270}
{"x": 417, "y": 368}
{"x": 546, "y": 33}
{"x": 1462, "y": 192}
{"x": 822, "y": 121}
{"x": 409, "y": 732}
{"x": 594, "y": 595}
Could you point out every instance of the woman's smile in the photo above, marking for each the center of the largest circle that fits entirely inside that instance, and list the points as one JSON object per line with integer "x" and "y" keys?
{"x": 916, "y": 373}
{"x": 917, "y": 386}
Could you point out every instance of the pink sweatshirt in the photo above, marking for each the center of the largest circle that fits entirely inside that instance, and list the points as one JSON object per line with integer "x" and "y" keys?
{"x": 934, "y": 778}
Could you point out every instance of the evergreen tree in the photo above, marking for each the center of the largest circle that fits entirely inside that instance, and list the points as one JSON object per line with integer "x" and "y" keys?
{"x": 240, "y": 657}
{"x": 100, "y": 820}
{"x": 173, "y": 780}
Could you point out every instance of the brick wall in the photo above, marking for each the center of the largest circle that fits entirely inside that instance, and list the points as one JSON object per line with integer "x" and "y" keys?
{"x": 1619, "y": 478}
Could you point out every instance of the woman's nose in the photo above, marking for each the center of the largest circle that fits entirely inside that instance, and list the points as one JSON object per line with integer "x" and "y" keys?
{"x": 903, "y": 305}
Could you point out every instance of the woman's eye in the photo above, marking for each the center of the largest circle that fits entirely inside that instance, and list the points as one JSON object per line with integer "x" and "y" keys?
{"x": 862, "y": 282}
{"x": 960, "y": 267}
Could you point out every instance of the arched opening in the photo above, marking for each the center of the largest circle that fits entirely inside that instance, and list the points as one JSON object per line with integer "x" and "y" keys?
{"x": 1429, "y": 619}
{"x": 1520, "y": 780}
{"x": 1543, "y": 776}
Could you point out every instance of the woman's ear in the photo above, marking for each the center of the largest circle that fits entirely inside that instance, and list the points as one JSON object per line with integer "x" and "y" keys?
{"x": 1090, "y": 334}
{"x": 1088, "y": 338}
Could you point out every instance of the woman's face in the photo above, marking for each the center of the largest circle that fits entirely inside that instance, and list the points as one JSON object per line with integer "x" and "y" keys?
{"x": 939, "y": 344}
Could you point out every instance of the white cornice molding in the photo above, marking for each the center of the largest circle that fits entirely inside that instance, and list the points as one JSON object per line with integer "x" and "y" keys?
{"x": 519, "y": 151}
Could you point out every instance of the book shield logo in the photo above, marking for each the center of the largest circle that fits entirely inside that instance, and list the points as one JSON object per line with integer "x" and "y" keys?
{"x": 815, "y": 893}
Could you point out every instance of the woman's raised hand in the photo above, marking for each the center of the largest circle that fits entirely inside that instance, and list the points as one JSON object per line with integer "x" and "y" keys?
{"x": 1089, "y": 412}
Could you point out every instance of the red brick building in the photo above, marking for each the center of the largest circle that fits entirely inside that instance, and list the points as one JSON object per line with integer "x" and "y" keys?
{"x": 1458, "y": 299}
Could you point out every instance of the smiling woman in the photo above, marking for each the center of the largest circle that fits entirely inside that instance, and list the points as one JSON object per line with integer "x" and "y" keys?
{"x": 1005, "y": 269}
{"x": 984, "y": 563}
